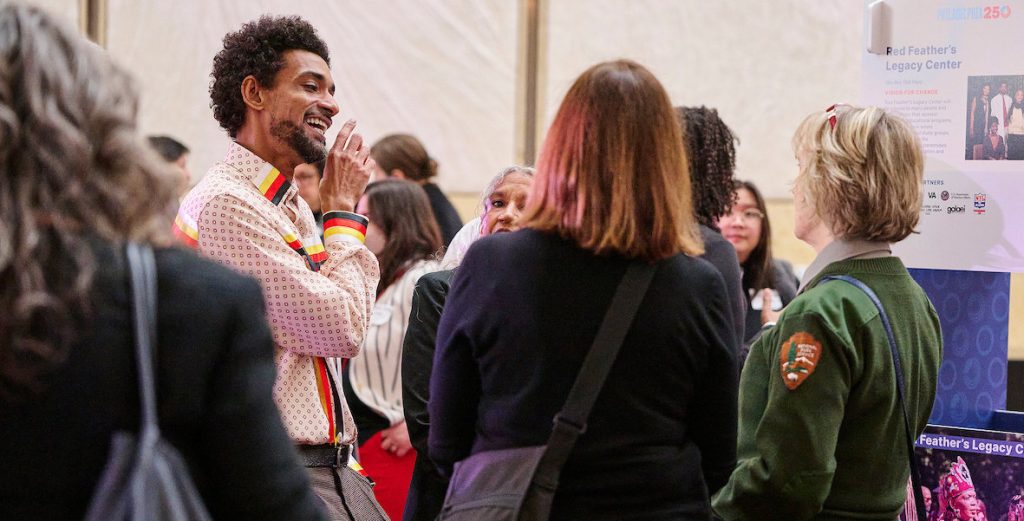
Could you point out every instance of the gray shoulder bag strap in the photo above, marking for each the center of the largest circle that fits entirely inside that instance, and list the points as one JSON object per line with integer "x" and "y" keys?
{"x": 519, "y": 483}
{"x": 145, "y": 477}
{"x": 571, "y": 422}
{"x": 915, "y": 472}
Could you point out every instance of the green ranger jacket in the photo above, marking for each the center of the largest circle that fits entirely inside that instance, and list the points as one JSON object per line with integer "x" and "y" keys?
{"x": 821, "y": 432}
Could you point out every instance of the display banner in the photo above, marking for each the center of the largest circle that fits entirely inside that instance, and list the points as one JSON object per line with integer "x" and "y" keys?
{"x": 974, "y": 309}
{"x": 972, "y": 474}
{"x": 953, "y": 70}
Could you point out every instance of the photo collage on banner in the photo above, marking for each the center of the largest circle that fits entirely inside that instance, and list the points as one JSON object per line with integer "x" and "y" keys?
{"x": 969, "y": 474}
{"x": 948, "y": 68}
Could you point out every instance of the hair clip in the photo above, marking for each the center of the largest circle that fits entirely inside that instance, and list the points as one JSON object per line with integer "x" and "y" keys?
{"x": 831, "y": 113}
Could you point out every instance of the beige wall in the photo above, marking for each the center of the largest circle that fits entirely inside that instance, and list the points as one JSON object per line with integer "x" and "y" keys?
{"x": 450, "y": 71}
{"x": 444, "y": 71}
{"x": 763, "y": 64}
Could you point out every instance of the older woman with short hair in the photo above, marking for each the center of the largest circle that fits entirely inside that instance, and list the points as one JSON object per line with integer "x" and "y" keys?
{"x": 822, "y": 431}
{"x": 612, "y": 188}
{"x": 501, "y": 205}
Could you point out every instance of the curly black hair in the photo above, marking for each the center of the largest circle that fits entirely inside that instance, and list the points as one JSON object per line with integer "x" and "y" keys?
{"x": 711, "y": 150}
{"x": 256, "y": 49}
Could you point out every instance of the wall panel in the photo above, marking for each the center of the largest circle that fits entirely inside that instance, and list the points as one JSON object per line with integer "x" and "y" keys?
{"x": 764, "y": 65}
{"x": 442, "y": 70}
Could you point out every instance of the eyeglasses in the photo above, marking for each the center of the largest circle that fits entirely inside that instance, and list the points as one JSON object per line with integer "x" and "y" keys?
{"x": 750, "y": 215}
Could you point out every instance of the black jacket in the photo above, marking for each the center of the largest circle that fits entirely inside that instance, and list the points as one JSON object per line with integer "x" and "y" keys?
{"x": 447, "y": 218}
{"x": 521, "y": 315}
{"x": 215, "y": 374}
{"x": 722, "y": 255}
{"x": 428, "y": 487}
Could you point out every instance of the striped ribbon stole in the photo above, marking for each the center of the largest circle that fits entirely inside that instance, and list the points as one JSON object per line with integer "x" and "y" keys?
{"x": 274, "y": 186}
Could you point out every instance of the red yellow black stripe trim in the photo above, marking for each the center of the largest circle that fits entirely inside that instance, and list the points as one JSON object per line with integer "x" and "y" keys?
{"x": 346, "y": 226}
{"x": 274, "y": 186}
{"x": 293, "y": 242}
{"x": 316, "y": 252}
{"x": 323, "y": 390}
{"x": 185, "y": 230}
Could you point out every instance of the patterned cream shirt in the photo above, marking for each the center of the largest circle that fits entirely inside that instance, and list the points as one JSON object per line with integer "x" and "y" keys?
{"x": 319, "y": 296}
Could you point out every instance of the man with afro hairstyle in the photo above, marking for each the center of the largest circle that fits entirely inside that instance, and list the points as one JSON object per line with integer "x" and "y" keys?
{"x": 273, "y": 93}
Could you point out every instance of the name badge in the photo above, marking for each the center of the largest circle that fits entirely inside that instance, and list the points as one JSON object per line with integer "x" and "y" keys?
{"x": 755, "y": 301}
{"x": 380, "y": 315}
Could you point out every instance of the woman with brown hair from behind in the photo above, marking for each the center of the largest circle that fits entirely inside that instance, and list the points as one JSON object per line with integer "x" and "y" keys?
{"x": 77, "y": 182}
{"x": 612, "y": 187}
{"x": 404, "y": 157}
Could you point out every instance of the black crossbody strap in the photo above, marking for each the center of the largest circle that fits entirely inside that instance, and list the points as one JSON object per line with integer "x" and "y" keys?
{"x": 142, "y": 273}
{"x": 915, "y": 473}
{"x": 142, "y": 285}
{"x": 572, "y": 420}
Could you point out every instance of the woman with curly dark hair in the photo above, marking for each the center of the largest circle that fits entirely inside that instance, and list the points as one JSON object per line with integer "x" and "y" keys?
{"x": 711, "y": 151}
{"x": 77, "y": 182}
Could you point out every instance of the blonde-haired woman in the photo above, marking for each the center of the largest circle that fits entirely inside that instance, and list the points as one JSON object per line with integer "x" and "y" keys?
{"x": 822, "y": 432}
{"x": 612, "y": 186}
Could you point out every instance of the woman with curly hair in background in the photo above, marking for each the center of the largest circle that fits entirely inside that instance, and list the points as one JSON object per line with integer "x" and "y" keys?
{"x": 77, "y": 182}
{"x": 711, "y": 151}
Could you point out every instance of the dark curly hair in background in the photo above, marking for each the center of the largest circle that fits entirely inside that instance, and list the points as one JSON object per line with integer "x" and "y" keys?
{"x": 711, "y": 150}
{"x": 256, "y": 49}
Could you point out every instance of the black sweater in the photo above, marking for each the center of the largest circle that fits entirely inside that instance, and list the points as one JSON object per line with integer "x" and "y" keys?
{"x": 722, "y": 255}
{"x": 521, "y": 315}
{"x": 447, "y": 218}
{"x": 428, "y": 488}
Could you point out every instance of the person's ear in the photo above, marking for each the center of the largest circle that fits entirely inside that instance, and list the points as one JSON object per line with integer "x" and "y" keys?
{"x": 253, "y": 94}
{"x": 398, "y": 173}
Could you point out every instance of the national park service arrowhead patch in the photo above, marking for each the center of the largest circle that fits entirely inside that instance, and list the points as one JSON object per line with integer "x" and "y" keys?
{"x": 798, "y": 359}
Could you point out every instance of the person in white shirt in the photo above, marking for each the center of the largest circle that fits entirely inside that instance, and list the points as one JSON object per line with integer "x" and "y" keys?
{"x": 1001, "y": 104}
{"x": 406, "y": 239}
{"x": 1015, "y": 127}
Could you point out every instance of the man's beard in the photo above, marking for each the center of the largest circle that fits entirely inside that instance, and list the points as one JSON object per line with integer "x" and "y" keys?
{"x": 309, "y": 150}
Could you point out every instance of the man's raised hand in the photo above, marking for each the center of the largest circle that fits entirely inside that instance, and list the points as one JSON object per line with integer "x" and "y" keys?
{"x": 347, "y": 171}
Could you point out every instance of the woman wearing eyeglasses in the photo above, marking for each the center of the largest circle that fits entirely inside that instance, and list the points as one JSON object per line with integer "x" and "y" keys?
{"x": 822, "y": 430}
{"x": 768, "y": 283}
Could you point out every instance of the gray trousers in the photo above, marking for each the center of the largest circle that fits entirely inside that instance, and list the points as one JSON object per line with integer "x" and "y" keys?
{"x": 358, "y": 503}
